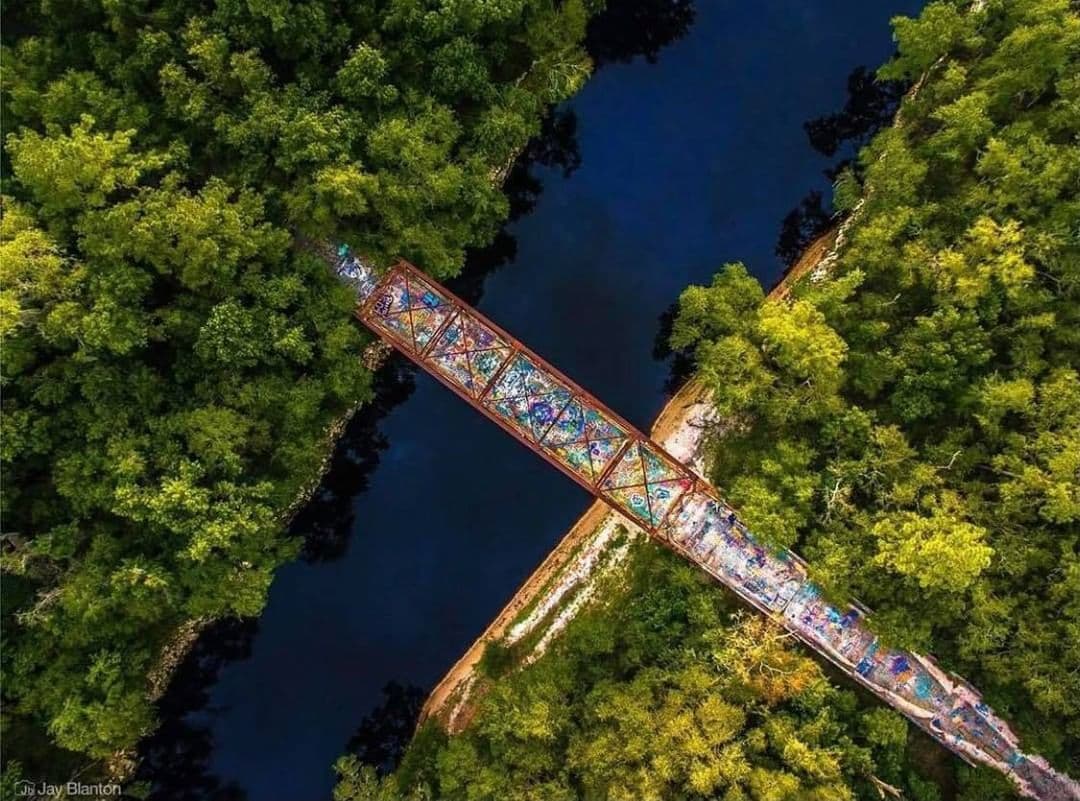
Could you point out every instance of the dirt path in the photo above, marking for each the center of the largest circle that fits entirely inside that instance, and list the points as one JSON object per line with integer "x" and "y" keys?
{"x": 814, "y": 254}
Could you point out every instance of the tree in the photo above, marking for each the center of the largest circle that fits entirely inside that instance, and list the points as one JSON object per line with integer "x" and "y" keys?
{"x": 941, "y": 552}
{"x": 940, "y": 28}
{"x": 728, "y": 306}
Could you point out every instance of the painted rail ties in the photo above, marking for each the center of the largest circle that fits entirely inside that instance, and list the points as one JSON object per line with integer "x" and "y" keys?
{"x": 577, "y": 434}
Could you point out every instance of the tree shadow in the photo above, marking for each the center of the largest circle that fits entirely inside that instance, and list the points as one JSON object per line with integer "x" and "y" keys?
{"x": 175, "y": 760}
{"x": 682, "y": 364}
{"x": 626, "y": 29}
{"x": 326, "y": 522}
{"x": 555, "y": 148}
{"x": 870, "y": 106}
{"x": 802, "y": 225}
{"x": 383, "y": 735}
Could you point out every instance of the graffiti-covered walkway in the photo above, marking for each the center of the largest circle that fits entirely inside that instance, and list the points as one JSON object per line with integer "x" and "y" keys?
{"x": 554, "y": 417}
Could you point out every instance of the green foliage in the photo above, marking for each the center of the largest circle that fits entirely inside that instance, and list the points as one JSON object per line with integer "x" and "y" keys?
{"x": 497, "y": 660}
{"x": 912, "y": 424}
{"x": 665, "y": 692}
{"x": 941, "y": 28}
{"x": 173, "y": 352}
{"x": 724, "y": 308}
{"x": 358, "y": 782}
{"x": 847, "y": 192}
{"x": 940, "y": 552}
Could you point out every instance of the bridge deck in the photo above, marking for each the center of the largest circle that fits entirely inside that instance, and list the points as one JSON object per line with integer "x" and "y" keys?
{"x": 554, "y": 417}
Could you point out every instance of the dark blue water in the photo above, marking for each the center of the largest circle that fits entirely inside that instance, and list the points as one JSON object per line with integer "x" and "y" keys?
{"x": 685, "y": 164}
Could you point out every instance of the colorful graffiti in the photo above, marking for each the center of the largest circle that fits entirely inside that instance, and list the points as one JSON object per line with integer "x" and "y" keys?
{"x": 645, "y": 482}
{"x": 708, "y": 532}
{"x": 584, "y": 439}
{"x": 560, "y": 421}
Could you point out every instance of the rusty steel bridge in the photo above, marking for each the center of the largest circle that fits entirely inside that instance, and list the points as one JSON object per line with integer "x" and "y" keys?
{"x": 577, "y": 434}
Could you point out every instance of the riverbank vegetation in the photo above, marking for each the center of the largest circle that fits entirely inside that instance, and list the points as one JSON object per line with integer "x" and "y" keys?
{"x": 174, "y": 346}
{"x": 665, "y": 690}
{"x": 911, "y": 425}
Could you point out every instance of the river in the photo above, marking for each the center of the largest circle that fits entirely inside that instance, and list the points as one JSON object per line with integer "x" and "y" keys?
{"x": 431, "y": 516}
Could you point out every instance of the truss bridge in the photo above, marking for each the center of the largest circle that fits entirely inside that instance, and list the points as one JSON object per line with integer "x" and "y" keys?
{"x": 577, "y": 434}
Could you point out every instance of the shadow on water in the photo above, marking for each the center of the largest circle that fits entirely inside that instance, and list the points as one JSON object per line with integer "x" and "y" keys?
{"x": 555, "y": 147}
{"x": 870, "y": 106}
{"x": 682, "y": 361}
{"x": 326, "y": 521}
{"x": 175, "y": 761}
{"x": 384, "y": 734}
{"x": 174, "y": 758}
{"x": 631, "y": 28}
{"x": 802, "y": 225}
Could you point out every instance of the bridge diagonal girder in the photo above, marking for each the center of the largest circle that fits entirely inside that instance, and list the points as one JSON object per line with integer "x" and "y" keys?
{"x": 577, "y": 434}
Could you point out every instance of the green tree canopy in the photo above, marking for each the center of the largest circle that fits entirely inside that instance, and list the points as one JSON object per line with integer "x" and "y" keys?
{"x": 910, "y": 423}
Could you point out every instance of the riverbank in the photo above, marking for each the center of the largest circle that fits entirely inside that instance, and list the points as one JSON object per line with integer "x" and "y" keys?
{"x": 563, "y": 581}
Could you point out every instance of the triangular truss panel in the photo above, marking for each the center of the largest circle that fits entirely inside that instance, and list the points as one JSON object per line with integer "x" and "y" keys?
{"x": 469, "y": 353}
{"x": 646, "y": 483}
{"x": 585, "y": 439}
{"x": 410, "y": 310}
{"x": 528, "y": 397}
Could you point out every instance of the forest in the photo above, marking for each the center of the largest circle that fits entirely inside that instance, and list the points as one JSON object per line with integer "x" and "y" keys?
{"x": 908, "y": 420}
{"x": 911, "y": 423}
{"x": 175, "y": 348}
